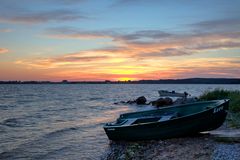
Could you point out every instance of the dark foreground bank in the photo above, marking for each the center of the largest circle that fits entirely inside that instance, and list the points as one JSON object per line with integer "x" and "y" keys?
{"x": 201, "y": 147}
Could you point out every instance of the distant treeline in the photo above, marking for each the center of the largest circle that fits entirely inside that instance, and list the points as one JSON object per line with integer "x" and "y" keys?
{"x": 161, "y": 81}
{"x": 194, "y": 81}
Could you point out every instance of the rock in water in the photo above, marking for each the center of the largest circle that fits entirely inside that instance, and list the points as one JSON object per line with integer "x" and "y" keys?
{"x": 168, "y": 101}
{"x": 162, "y": 102}
{"x": 158, "y": 102}
{"x": 141, "y": 100}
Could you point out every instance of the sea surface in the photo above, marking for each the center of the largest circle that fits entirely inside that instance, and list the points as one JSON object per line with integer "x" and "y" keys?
{"x": 64, "y": 121}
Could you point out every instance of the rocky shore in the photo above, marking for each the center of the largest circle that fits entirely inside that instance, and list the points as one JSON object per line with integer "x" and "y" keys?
{"x": 191, "y": 148}
{"x": 226, "y": 151}
{"x": 198, "y": 147}
{"x": 201, "y": 147}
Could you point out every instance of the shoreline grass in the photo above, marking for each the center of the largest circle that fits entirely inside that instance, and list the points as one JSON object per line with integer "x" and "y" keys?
{"x": 233, "y": 117}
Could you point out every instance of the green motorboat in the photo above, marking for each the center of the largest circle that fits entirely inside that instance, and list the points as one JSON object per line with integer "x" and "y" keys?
{"x": 169, "y": 122}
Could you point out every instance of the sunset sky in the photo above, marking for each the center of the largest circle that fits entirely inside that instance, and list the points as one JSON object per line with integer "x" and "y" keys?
{"x": 91, "y": 40}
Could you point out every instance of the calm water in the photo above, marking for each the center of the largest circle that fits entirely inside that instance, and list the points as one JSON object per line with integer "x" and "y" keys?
{"x": 65, "y": 121}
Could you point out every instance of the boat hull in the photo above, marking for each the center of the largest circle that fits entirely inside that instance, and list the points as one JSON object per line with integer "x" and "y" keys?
{"x": 188, "y": 125}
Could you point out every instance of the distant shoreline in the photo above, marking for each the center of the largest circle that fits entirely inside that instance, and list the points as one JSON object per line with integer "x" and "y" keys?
{"x": 161, "y": 81}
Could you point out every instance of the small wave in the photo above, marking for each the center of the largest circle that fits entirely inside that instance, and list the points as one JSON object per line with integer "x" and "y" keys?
{"x": 17, "y": 122}
{"x": 117, "y": 110}
{"x": 2, "y": 129}
{"x": 53, "y": 153}
{"x": 60, "y": 132}
{"x": 5, "y": 155}
{"x": 23, "y": 101}
{"x": 5, "y": 107}
{"x": 27, "y": 95}
{"x": 95, "y": 98}
{"x": 11, "y": 122}
{"x": 6, "y": 96}
{"x": 60, "y": 109}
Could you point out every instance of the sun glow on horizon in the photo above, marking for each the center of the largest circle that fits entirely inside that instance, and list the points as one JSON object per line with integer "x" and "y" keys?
{"x": 126, "y": 79}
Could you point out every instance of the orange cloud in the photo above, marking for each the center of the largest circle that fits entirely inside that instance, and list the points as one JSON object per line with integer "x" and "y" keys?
{"x": 3, "y": 50}
{"x": 154, "y": 43}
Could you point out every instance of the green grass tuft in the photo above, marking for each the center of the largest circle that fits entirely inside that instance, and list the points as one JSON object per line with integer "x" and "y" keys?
{"x": 234, "y": 97}
{"x": 234, "y": 105}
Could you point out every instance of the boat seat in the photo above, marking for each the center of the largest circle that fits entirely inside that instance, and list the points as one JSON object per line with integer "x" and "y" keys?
{"x": 168, "y": 117}
{"x": 129, "y": 121}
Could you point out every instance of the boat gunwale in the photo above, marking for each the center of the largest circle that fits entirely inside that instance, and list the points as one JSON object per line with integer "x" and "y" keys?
{"x": 178, "y": 105}
{"x": 218, "y": 103}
